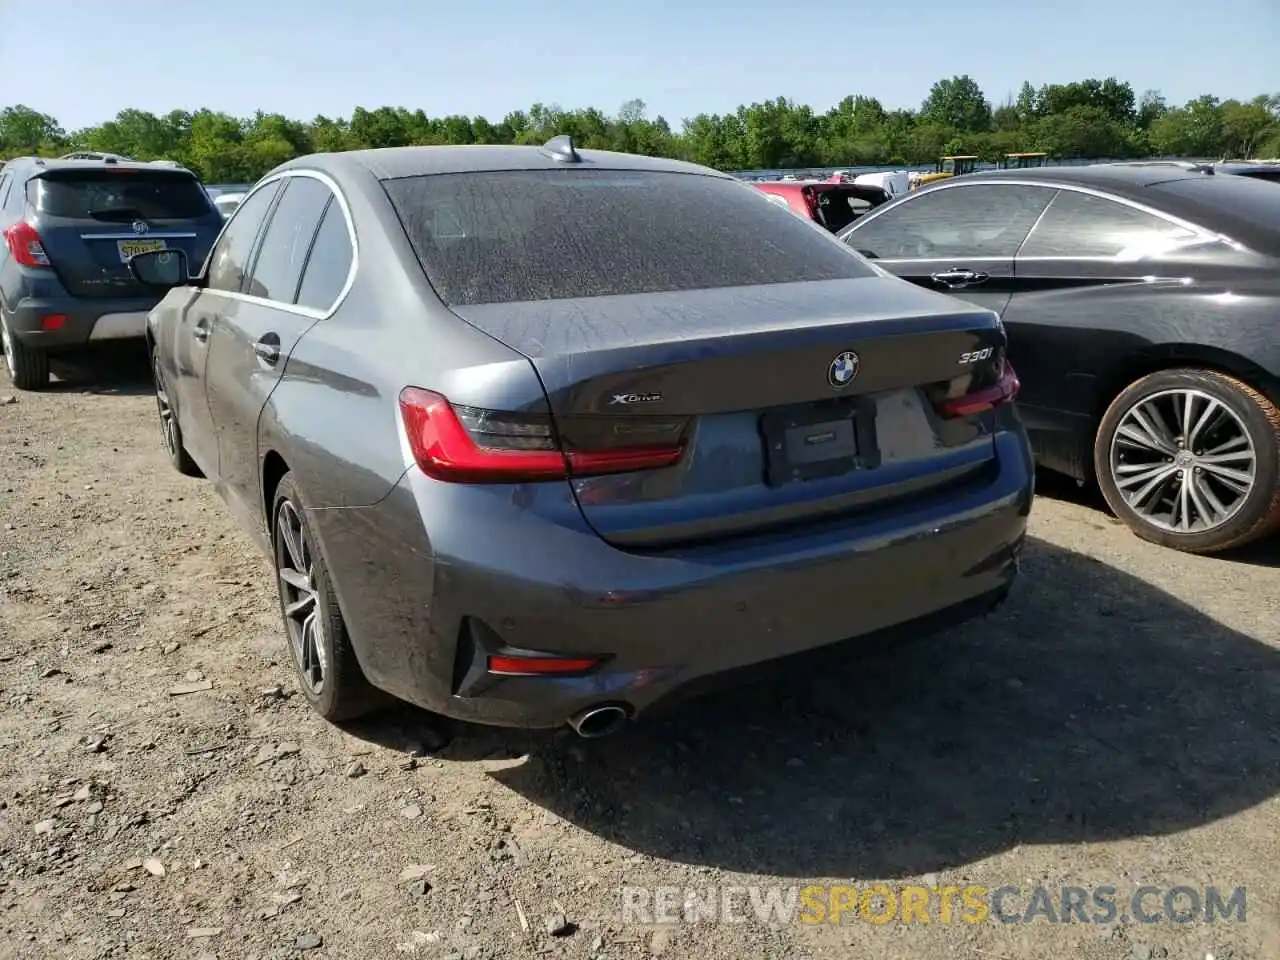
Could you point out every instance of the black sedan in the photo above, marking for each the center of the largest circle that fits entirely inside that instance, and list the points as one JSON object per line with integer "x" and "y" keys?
{"x": 536, "y": 436}
{"x": 1143, "y": 310}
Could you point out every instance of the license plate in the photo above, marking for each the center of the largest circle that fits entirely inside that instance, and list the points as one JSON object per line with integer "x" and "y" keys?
{"x": 132, "y": 248}
{"x": 818, "y": 440}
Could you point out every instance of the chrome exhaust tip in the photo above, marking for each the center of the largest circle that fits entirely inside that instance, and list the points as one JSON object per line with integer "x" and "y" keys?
{"x": 599, "y": 721}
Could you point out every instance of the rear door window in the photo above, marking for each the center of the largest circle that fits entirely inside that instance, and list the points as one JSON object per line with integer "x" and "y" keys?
{"x": 283, "y": 250}
{"x": 553, "y": 234}
{"x": 229, "y": 260}
{"x": 119, "y": 196}
{"x": 329, "y": 262}
{"x": 988, "y": 220}
{"x": 1083, "y": 225}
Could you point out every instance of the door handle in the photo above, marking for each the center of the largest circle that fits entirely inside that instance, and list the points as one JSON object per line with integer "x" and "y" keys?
{"x": 267, "y": 349}
{"x": 201, "y": 332}
{"x": 957, "y": 277}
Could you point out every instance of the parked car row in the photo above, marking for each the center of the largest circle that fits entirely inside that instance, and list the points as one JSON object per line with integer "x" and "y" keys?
{"x": 546, "y": 435}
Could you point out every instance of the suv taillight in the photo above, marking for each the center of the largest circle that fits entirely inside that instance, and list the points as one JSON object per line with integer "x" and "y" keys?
{"x": 25, "y": 245}
{"x": 463, "y": 444}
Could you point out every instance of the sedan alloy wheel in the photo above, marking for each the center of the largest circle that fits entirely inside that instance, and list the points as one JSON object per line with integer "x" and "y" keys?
{"x": 1190, "y": 459}
{"x": 168, "y": 423}
{"x": 304, "y": 621}
{"x": 1183, "y": 461}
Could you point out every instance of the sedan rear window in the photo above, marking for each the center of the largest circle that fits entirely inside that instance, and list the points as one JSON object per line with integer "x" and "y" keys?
{"x": 556, "y": 234}
{"x": 119, "y": 195}
{"x": 1227, "y": 202}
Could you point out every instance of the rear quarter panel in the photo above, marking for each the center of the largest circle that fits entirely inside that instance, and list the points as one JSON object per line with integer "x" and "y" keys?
{"x": 334, "y": 418}
{"x": 1092, "y": 335}
{"x": 1075, "y": 348}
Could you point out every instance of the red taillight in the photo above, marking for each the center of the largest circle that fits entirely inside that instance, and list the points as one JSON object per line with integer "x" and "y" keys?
{"x": 1002, "y": 391}
{"x": 25, "y": 245}
{"x": 508, "y": 666}
{"x": 53, "y": 321}
{"x": 467, "y": 445}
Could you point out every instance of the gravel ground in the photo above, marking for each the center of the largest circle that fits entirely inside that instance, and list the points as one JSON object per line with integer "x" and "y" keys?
{"x": 164, "y": 793}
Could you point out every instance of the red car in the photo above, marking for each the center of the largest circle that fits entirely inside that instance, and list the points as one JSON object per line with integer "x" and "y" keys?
{"x": 833, "y": 204}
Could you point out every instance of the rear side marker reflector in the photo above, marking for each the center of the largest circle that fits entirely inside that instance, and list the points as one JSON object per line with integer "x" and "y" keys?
{"x": 539, "y": 666}
{"x": 1003, "y": 391}
{"x": 53, "y": 321}
{"x": 466, "y": 445}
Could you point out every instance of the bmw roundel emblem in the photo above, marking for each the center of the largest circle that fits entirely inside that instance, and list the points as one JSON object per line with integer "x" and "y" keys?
{"x": 843, "y": 369}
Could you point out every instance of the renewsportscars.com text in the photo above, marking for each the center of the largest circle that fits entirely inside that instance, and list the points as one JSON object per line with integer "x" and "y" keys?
{"x": 879, "y": 904}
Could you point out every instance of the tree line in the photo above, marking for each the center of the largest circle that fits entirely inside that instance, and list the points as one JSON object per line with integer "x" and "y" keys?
{"x": 1087, "y": 118}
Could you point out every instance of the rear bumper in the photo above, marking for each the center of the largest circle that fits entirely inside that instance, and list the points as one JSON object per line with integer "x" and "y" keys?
{"x": 518, "y": 567}
{"x": 85, "y": 322}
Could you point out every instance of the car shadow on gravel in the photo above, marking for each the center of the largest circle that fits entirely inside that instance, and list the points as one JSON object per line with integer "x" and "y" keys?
{"x": 1092, "y": 707}
{"x": 1261, "y": 553}
{"x": 117, "y": 369}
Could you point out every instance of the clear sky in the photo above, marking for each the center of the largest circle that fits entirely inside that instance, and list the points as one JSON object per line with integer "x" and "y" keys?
{"x": 83, "y": 60}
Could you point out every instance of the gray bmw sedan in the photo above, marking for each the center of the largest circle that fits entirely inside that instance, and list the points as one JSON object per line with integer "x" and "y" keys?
{"x": 542, "y": 435}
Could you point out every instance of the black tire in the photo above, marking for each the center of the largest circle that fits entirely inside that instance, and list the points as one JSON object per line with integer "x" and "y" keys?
{"x": 170, "y": 432}
{"x": 28, "y": 368}
{"x": 1252, "y": 515}
{"x": 343, "y": 693}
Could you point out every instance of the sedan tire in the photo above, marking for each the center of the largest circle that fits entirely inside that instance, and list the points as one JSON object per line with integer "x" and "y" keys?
{"x": 170, "y": 432}
{"x": 1190, "y": 459}
{"x": 325, "y": 664}
{"x": 28, "y": 368}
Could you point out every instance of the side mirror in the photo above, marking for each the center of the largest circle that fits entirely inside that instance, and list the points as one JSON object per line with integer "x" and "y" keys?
{"x": 160, "y": 268}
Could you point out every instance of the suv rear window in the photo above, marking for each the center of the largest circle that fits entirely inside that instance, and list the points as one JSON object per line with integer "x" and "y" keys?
{"x": 557, "y": 234}
{"x": 119, "y": 195}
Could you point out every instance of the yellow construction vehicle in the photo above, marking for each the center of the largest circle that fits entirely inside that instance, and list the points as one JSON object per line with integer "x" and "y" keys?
{"x": 949, "y": 167}
{"x": 1023, "y": 161}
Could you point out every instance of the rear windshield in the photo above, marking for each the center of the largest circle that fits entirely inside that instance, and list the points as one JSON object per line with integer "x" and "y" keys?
{"x": 1226, "y": 201}
{"x": 1272, "y": 175}
{"x": 557, "y": 234}
{"x": 119, "y": 195}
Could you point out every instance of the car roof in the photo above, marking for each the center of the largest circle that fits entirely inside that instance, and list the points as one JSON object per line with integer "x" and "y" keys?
{"x": 391, "y": 163}
{"x": 1249, "y": 166}
{"x": 38, "y": 165}
{"x": 1121, "y": 178}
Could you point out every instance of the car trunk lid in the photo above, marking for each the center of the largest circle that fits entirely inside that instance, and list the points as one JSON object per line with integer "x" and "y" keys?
{"x": 793, "y": 401}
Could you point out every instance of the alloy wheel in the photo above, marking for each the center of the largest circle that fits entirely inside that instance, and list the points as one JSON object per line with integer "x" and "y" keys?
{"x": 1183, "y": 461}
{"x": 8, "y": 349}
{"x": 303, "y": 616}
{"x": 168, "y": 425}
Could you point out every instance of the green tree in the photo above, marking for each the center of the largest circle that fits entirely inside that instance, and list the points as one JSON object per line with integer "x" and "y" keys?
{"x": 1084, "y": 118}
{"x": 957, "y": 102}
{"x": 23, "y": 130}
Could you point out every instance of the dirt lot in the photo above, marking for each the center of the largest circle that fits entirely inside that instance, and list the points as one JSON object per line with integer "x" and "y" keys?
{"x": 1116, "y": 723}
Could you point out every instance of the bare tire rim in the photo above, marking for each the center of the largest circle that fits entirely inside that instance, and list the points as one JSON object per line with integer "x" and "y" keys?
{"x": 303, "y": 617}
{"x": 8, "y": 349}
{"x": 168, "y": 425}
{"x": 1183, "y": 461}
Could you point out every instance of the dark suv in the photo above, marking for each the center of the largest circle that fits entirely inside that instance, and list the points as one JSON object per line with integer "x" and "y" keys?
{"x": 70, "y": 227}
